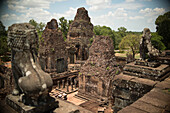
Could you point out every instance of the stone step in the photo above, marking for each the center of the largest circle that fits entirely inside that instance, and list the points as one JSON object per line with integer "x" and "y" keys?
{"x": 147, "y": 72}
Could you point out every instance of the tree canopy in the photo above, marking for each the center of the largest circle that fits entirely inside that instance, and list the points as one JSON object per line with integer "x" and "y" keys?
{"x": 156, "y": 41}
{"x": 163, "y": 28}
{"x": 105, "y": 31}
{"x": 3, "y": 43}
{"x": 64, "y": 26}
{"x": 130, "y": 41}
{"x": 122, "y": 31}
{"x": 38, "y": 26}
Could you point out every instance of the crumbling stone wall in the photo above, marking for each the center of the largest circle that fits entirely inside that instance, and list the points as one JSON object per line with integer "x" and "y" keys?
{"x": 6, "y": 81}
{"x": 52, "y": 49}
{"x": 96, "y": 74}
{"x": 127, "y": 91}
{"x": 79, "y": 34}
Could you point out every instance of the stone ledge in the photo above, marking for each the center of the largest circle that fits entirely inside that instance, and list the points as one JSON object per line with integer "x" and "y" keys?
{"x": 136, "y": 79}
{"x": 12, "y": 101}
{"x": 147, "y": 107}
{"x": 130, "y": 109}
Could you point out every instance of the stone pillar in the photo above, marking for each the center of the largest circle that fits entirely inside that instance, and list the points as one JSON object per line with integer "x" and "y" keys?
{"x": 67, "y": 88}
{"x": 58, "y": 84}
{"x": 71, "y": 84}
{"x": 67, "y": 85}
{"x": 75, "y": 83}
{"x": 63, "y": 82}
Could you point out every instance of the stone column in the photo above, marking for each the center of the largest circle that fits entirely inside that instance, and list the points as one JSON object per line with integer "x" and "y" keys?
{"x": 67, "y": 85}
{"x": 71, "y": 84}
{"x": 75, "y": 83}
{"x": 58, "y": 84}
{"x": 67, "y": 88}
{"x": 63, "y": 82}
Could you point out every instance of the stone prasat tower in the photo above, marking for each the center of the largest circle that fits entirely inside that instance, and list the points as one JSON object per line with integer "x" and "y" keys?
{"x": 78, "y": 38}
{"x": 52, "y": 49}
{"x": 96, "y": 74}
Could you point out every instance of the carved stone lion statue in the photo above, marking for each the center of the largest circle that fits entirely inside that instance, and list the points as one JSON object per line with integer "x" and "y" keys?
{"x": 146, "y": 48}
{"x": 31, "y": 82}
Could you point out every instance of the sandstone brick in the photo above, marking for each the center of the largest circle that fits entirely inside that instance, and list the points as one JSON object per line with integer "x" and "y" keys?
{"x": 131, "y": 109}
{"x": 147, "y": 107}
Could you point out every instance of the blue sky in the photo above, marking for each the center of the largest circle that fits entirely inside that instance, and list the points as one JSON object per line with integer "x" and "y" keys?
{"x": 132, "y": 14}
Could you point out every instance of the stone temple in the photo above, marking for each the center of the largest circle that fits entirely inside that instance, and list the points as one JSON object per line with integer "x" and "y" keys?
{"x": 52, "y": 49}
{"x": 78, "y": 38}
{"x": 96, "y": 74}
{"x": 96, "y": 80}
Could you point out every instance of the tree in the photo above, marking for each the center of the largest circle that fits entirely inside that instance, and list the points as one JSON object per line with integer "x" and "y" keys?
{"x": 105, "y": 31}
{"x": 156, "y": 41}
{"x": 64, "y": 26}
{"x": 38, "y": 26}
{"x": 3, "y": 43}
{"x": 130, "y": 41}
{"x": 122, "y": 31}
{"x": 163, "y": 28}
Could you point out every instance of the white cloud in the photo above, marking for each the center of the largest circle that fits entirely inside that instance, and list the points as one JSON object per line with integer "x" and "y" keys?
{"x": 68, "y": 14}
{"x": 98, "y": 4}
{"x": 152, "y": 12}
{"x": 33, "y": 9}
{"x": 136, "y": 17}
{"x": 129, "y": 0}
{"x": 146, "y": 0}
{"x": 24, "y": 5}
{"x": 40, "y": 15}
{"x": 103, "y": 4}
{"x": 128, "y": 5}
{"x": 110, "y": 18}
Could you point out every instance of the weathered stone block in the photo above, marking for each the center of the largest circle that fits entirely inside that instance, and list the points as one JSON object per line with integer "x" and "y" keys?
{"x": 12, "y": 101}
{"x": 130, "y": 109}
{"x": 147, "y": 107}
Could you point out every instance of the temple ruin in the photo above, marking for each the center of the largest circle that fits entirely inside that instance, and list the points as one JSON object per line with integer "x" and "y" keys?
{"x": 95, "y": 77}
{"x": 78, "y": 37}
{"x": 81, "y": 77}
{"x": 52, "y": 49}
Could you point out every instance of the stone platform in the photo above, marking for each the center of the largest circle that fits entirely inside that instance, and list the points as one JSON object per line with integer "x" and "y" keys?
{"x": 155, "y": 101}
{"x": 127, "y": 89}
{"x": 154, "y": 72}
{"x": 12, "y": 101}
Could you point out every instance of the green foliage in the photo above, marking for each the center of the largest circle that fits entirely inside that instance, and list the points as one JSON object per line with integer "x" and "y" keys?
{"x": 92, "y": 64}
{"x": 163, "y": 28}
{"x": 156, "y": 41}
{"x": 108, "y": 68}
{"x": 168, "y": 90}
{"x": 117, "y": 72}
{"x": 130, "y": 41}
{"x": 105, "y": 31}
{"x": 122, "y": 31}
{"x": 64, "y": 26}
{"x": 38, "y": 26}
{"x": 52, "y": 49}
{"x": 3, "y": 43}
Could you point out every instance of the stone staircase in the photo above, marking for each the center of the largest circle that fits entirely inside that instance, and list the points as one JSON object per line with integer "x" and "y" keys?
{"x": 144, "y": 70}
